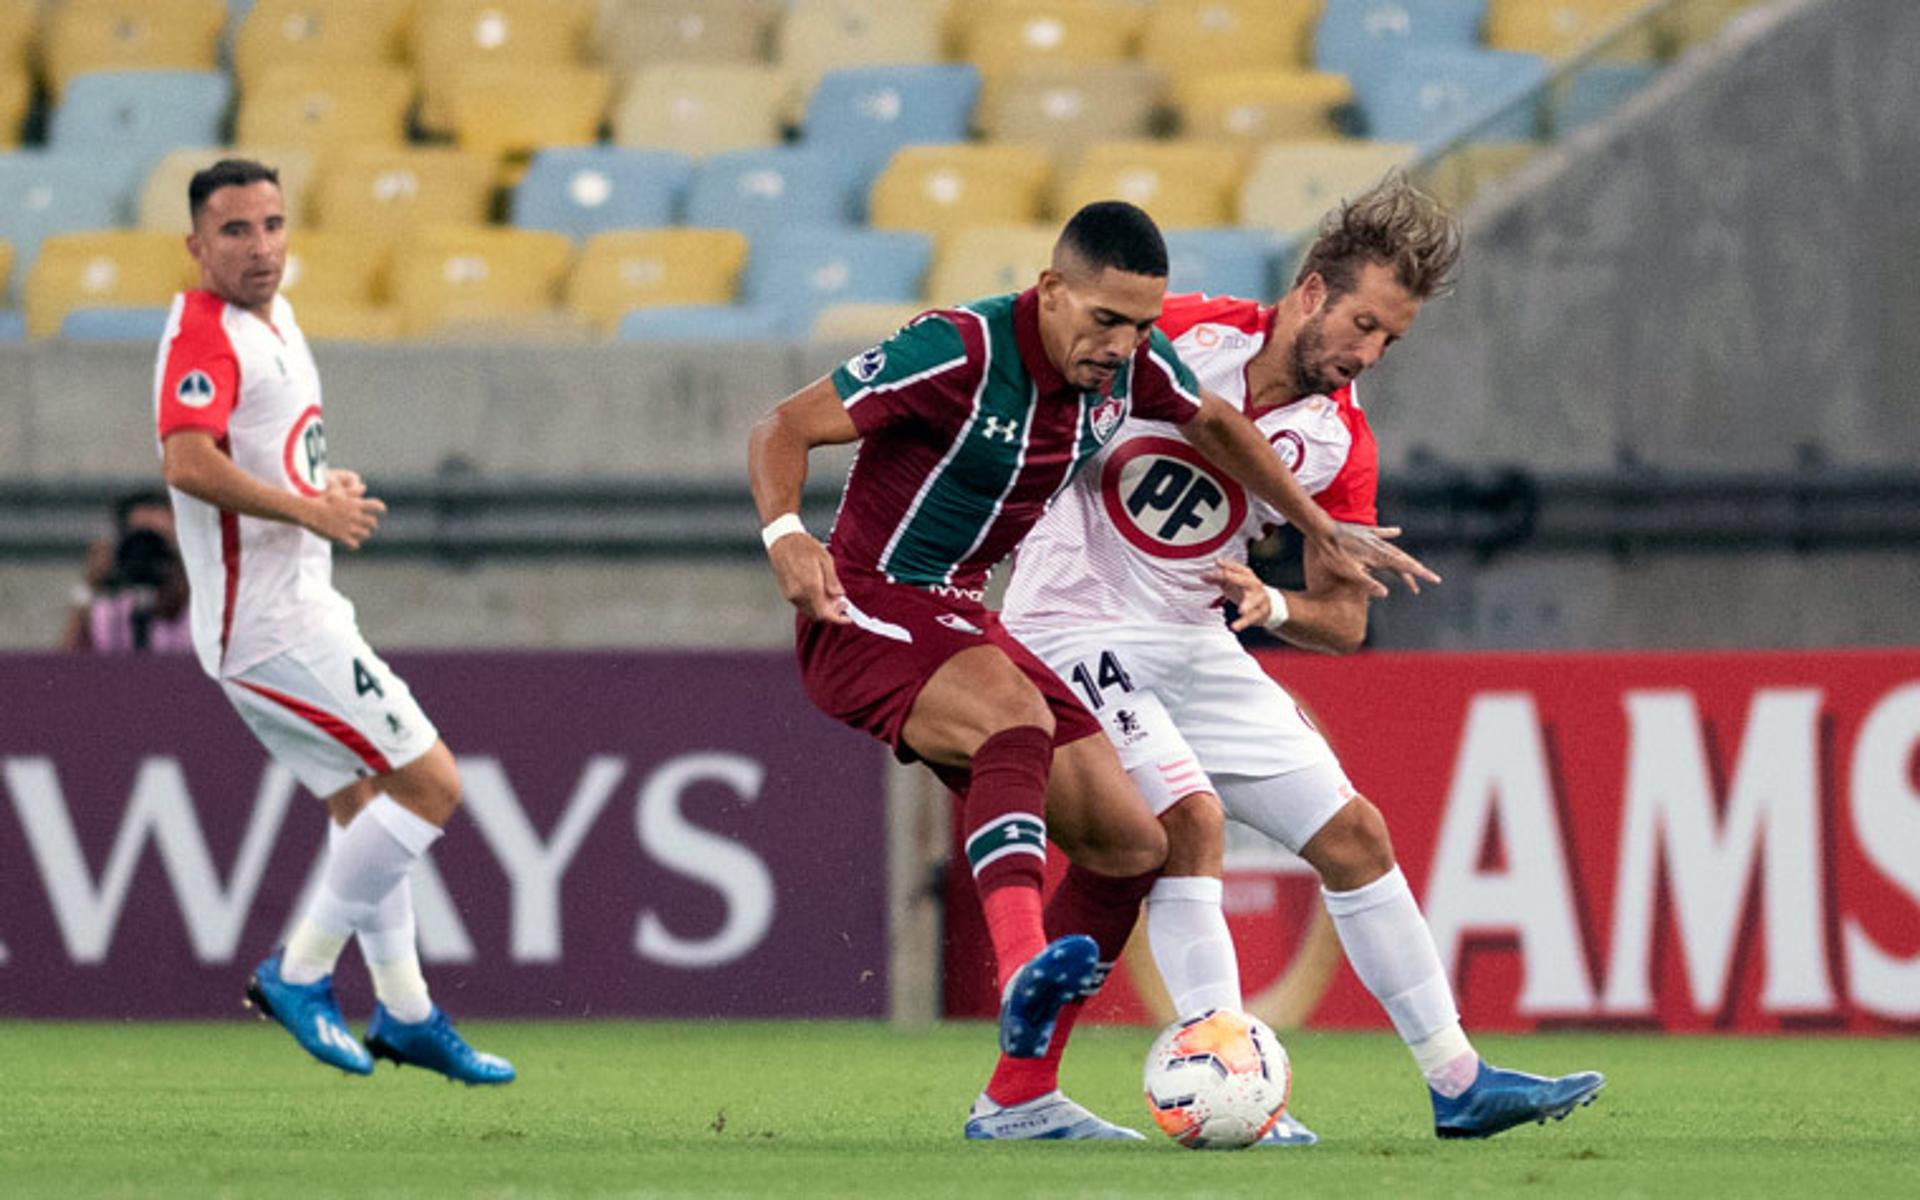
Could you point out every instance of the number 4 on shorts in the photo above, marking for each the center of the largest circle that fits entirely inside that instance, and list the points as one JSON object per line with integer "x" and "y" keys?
{"x": 364, "y": 682}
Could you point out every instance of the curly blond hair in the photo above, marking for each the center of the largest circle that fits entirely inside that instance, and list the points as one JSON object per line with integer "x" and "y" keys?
{"x": 1395, "y": 224}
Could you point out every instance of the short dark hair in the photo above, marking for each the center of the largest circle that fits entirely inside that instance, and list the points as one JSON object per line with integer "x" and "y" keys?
{"x": 228, "y": 172}
{"x": 124, "y": 507}
{"x": 1113, "y": 233}
{"x": 1393, "y": 224}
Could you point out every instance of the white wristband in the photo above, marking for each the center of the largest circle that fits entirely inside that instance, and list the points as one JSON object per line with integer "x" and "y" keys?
{"x": 780, "y": 527}
{"x": 1278, "y": 617}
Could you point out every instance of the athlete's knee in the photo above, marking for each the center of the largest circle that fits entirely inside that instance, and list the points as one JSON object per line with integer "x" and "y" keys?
{"x": 1196, "y": 829}
{"x": 429, "y": 786}
{"x": 1353, "y": 849}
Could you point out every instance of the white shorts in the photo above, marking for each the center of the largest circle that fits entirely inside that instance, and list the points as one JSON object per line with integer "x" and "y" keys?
{"x": 1191, "y": 711}
{"x": 331, "y": 711}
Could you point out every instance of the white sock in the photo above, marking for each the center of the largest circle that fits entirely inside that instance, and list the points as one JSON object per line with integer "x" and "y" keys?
{"x": 1392, "y": 951}
{"x": 391, "y": 949}
{"x": 364, "y": 863}
{"x": 1188, "y": 934}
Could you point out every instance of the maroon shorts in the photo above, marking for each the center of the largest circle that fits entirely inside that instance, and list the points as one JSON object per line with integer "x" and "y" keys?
{"x": 868, "y": 673}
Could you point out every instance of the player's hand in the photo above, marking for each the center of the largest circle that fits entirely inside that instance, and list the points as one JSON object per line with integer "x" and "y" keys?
{"x": 1352, "y": 552}
{"x": 1239, "y": 584}
{"x": 344, "y": 513}
{"x": 807, "y": 579}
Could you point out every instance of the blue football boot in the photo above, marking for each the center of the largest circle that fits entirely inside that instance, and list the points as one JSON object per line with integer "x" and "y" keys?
{"x": 310, "y": 1014}
{"x": 1060, "y": 973}
{"x": 1048, "y": 1118}
{"x": 1499, "y": 1100}
{"x": 433, "y": 1044}
{"x": 1288, "y": 1132}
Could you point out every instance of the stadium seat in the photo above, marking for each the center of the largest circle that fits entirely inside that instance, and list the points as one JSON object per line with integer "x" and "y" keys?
{"x": 130, "y": 35}
{"x": 1067, "y": 108}
{"x": 1562, "y": 28}
{"x": 1460, "y": 174}
{"x": 584, "y": 190}
{"x": 140, "y": 112}
{"x": 325, "y": 321}
{"x": 1001, "y": 35}
{"x": 651, "y": 268}
{"x": 803, "y": 271}
{"x": 630, "y": 34}
{"x": 987, "y": 261}
{"x": 937, "y": 189}
{"x": 818, "y": 36}
{"x": 13, "y": 326}
{"x": 861, "y": 115}
{"x": 115, "y": 268}
{"x": 162, "y": 204}
{"x": 1363, "y": 38}
{"x": 452, "y": 36}
{"x": 142, "y": 324}
{"x": 327, "y": 106}
{"x": 346, "y": 33}
{"x": 43, "y": 194}
{"x": 6, "y": 264}
{"x": 1438, "y": 95}
{"x": 758, "y": 191}
{"x": 16, "y": 95}
{"x": 383, "y": 193}
{"x": 19, "y": 20}
{"x": 1191, "y": 39}
{"x": 704, "y": 323}
{"x": 444, "y": 274}
{"x": 1265, "y": 106}
{"x": 1679, "y": 27}
{"x": 702, "y": 108}
{"x": 546, "y": 325}
{"x": 1224, "y": 262}
{"x": 1182, "y": 184}
{"x": 1293, "y": 184}
{"x": 505, "y": 111}
{"x": 863, "y": 322}
{"x": 342, "y": 268}
{"x": 1596, "y": 90}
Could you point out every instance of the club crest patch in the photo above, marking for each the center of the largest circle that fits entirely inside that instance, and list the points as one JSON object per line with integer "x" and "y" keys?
{"x": 1105, "y": 418}
{"x": 195, "y": 389}
{"x": 867, "y": 367}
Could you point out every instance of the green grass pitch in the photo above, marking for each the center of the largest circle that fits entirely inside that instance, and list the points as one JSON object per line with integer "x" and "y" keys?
{"x": 749, "y": 1110}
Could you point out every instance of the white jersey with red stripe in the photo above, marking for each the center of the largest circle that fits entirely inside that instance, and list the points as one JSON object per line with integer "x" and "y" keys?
{"x": 258, "y": 587}
{"x": 1128, "y": 541}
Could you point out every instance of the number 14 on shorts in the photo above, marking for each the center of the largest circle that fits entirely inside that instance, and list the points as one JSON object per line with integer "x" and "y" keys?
{"x": 1096, "y": 681}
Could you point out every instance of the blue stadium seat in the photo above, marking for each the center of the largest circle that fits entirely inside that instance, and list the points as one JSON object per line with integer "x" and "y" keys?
{"x": 1225, "y": 262}
{"x": 42, "y": 194}
{"x": 760, "y": 191}
{"x": 584, "y": 190}
{"x": 114, "y": 325}
{"x": 703, "y": 323}
{"x": 1361, "y": 38}
{"x": 1597, "y": 90}
{"x": 861, "y": 115}
{"x": 803, "y": 271}
{"x": 141, "y": 112}
{"x": 1435, "y": 95}
{"x": 13, "y": 326}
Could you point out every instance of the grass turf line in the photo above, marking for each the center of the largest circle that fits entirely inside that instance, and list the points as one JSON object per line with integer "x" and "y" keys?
{"x": 709, "y": 1109}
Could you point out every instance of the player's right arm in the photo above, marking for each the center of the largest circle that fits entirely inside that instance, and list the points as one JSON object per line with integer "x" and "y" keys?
{"x": 777, "y": 453}
{"x": 1329, "y": 616}
{"x": 194, "y": 463}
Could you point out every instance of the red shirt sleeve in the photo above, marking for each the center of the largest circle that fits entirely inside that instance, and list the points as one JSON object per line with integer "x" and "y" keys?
{"x": 1354, "y": 491}
{"x": 200, "y": 383}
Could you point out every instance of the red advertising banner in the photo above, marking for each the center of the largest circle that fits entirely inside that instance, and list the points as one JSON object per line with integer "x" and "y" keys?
{"x": 1687, "y": 842}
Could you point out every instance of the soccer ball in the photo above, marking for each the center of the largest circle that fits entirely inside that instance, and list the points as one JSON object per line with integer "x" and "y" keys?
{"x": 1217, "y": 1081}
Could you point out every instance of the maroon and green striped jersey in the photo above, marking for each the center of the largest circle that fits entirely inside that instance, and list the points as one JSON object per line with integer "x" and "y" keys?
{"x": 968, "y": 432}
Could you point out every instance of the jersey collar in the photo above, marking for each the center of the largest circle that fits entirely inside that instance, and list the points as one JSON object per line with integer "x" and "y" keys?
{"x": 1033, "y": 353}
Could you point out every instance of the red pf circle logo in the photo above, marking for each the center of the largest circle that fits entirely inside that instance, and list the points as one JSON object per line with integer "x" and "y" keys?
{"x": 1168, "y": 500}
{"x": 305, "y": 456}
{"x": 1291, "y": 447}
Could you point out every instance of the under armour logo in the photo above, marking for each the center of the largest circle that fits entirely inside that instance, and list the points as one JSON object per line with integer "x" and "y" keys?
{"x": 1008, "y": 429}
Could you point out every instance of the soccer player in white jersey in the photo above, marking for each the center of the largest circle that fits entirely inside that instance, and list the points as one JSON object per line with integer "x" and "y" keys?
{"x": 237, "y": 405}
{"x": 1119, "y": 587}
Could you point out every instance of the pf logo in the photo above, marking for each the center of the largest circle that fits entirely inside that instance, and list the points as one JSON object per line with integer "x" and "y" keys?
{"x": 305, "y": 456}
{"x": 1169, "y": 501}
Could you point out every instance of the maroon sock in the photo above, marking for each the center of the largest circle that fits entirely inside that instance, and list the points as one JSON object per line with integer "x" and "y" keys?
{"x": 1007, "y": 840}
{"x": 1100, "y": 906}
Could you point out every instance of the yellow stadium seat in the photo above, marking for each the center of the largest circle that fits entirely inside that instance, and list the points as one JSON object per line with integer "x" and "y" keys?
{"x": 344, "y": 32}
{"x": 506, "y": 111}
{"x": 16, "y": 93}
{"x": 1680, "y": 26}
{"x": 326, "y": 106}
{"x": 646, "y": 268}
{"x": 1001, "y": 35}
{"x": 1264, "y": 107}
{"x": 444, "y": 274}
{"x": 702, "y": 108}
{"x": 1192, "y": 38}
{"x": 18, "y": 19}
{"x": 1293, "y": 184}
{"x": 630, "y": 34}
{"x": 938, "y": 189}
{"x": 818, "y": 36}
{"x": 987, "y": 261}
{"x": 863, "y": 322}
{"x": 1466, "y": 170}
{"x": 1563, "y": 28}
{"x": 115, "y": 268}
{"x": 1181, "y": 184}
{"x": 163, "y": 198}
{"x": 1069, "y": 107}
{"x": 131, "y": 35}
{"x": 6, "y": 264}
{"x": 338, "y": 268}
{"x": 336, "y": 321}
{"x": 383, "y": 193}
{"x": 452, "y": 35}
{"x": 547, "y": 325}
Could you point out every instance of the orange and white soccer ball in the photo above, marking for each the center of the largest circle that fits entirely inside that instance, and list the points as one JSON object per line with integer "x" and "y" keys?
{"x": 1217, "y": 1081}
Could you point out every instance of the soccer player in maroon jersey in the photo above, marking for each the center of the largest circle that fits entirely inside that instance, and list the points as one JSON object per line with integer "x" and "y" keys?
{"x": 971, "y": 420}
